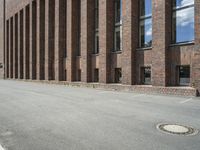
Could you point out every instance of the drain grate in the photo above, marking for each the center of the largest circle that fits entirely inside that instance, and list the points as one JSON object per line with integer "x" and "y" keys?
{"x": 177, "y": 129}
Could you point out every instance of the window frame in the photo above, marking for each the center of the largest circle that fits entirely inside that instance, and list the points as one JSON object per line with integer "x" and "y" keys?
{"x": 143, "y": 19}
{"x": 179, "y": 77}
{"x": 174, "y": 28}
{"x": 117, "y": 26}
{"x": 96, "y": 27}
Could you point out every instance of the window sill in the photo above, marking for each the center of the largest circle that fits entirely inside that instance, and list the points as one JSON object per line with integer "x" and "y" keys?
{"x": 97, "y": 54}
{"x": 78, "y": 56}
{"x": 182, "y": 44}
{"x": 145, "y": 48}
{"x": 116, "y": 52}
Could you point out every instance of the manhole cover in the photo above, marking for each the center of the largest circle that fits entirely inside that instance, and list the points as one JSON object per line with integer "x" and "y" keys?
{"x": 177, "y": 129}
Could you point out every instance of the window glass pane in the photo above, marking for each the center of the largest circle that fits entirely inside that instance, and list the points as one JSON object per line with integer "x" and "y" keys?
{"x": 96, "y": 44}
{"x": 184, "y": 23}
{"x": 184, "y": 75}
{"x": 145, "y": 7}
{"x": 182, "y": 3}
{"x": 118, "y": 11}
{"x": 117, "y": 40}
{"x": 96, "y": 14}
{"x": 147, "y": 75}
{"x": 146, "y": 33}
{"x": 118, "y": 75}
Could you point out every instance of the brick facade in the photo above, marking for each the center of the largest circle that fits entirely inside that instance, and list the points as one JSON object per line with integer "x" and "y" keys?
{"x": 54, "y": 40}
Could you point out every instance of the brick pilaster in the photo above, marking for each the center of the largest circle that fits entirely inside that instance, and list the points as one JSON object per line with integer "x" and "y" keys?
{"x": 60, "y": 38}
{"x": 7, "y": 50}
{"x": 32, "y": 44}
{"x": 106, "y": 39}
{"x": 49, "y": 39}
{"x": 26, "y": 42}
{"x": 72, "y": 29}
{"x": 130, "y": 40}
{"x": 161, "y": 25}
{"x": 14, "y": 48}
{"x": 196, "y": 54}
{"x": 87, "y": 38}
{"x": 11, "y": 48}
{"x": 40, "y": 39}
{"x": 20, "y": 44}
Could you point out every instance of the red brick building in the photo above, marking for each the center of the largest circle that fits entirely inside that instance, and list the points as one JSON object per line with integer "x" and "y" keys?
{"x": 132, "y": 42}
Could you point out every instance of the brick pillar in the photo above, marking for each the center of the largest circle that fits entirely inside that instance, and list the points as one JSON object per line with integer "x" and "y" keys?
{"x": 60, "y": 38}
{"x": 32, "y": 44}
{"x": 26, "y": 42}
{"x": 49, "y": 39}
{"x": 7, "y": 51}
{"x": 196, "y": 54}
{"x": 130, "y": 38}
{"x": 160, "y": 20}
{"x": 106, "y": 38}
{"x": 15, "y": 57}
{"x": 72, "y": 6}
{"x": 20, "y": 44}
{"x": 14, "y": 46}
{"x": 11, "y": 48}
{"x": 40, "y": 39}
{"x": 87, "y": 38}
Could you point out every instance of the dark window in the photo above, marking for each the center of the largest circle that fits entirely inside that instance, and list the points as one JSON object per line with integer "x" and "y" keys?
{"x": 183, "y": 21}
{"x": 184, "y": 75}
{"x": 118, "y": 26}
{"x": 146, "y": 75}
{"x": 145, "y": 23}
{"x": 79, "y": 75}
{"x": 96, "y": 75}
{"x": 96, "y": 43}
{"x": 96, "y": 47}
{"x": 78, "y": 31}
{"x": 1, "y": 65}
{"x": 65, "y": 75}
{"x": 118, "y": 75}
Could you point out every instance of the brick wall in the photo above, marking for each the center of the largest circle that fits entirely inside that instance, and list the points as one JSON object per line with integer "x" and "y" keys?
{"x": 46, "y": 30}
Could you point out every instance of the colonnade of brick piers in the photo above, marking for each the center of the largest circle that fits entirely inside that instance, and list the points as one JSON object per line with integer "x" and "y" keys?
{"x": 43, "y": 40}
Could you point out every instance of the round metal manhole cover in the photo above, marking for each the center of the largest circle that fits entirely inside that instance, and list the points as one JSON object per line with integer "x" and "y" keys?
{"x": 177, "y": 129}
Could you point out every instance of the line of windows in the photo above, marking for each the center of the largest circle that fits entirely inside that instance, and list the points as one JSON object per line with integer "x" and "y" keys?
{"x": 182, "y": 23}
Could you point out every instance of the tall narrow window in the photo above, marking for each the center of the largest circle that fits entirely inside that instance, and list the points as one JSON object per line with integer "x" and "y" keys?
{"x": 183, "y": 21}
{"x": 78, "y": 53}
{"x": 145, "y": 23}
{"x": 118, "y": 26}
{"x": 96, "y": 49}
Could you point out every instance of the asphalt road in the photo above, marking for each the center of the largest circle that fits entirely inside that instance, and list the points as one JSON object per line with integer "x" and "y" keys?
{"x": 36, "y": 116}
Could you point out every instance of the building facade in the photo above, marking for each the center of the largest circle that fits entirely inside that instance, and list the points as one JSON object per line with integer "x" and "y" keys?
{"x": 131, "y": 42}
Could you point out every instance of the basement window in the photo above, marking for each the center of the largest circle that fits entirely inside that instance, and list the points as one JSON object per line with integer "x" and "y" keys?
{"x": 96, "y": 75}
{"x": 118, "y": 75}
{"x": 146, "y": 75}
{"x": 118, "y": 26}
{"x": 184, "y": 75}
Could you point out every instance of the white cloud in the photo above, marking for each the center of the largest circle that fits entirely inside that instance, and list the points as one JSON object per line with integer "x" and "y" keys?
{"x": 185, "y": 17}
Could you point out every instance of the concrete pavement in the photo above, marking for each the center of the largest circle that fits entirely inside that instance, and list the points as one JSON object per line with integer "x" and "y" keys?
{"x": 37, "y": 116}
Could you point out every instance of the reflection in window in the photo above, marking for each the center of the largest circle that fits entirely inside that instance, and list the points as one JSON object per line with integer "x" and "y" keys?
{"x": 145, "y": 23}
{"x": 184, "y": 75}
{"x": 96, "y": 48}
{"x": 183, "y": 21}
{"x": 146, "y": 75}
{"x": 118, "y": 25}
{"x": 118, "y": 75}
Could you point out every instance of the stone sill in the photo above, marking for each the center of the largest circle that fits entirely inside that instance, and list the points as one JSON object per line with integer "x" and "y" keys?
{"x": 142, "y": 89}
{"x": 182, "y": 44}
{"x": 144, "y": 49}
